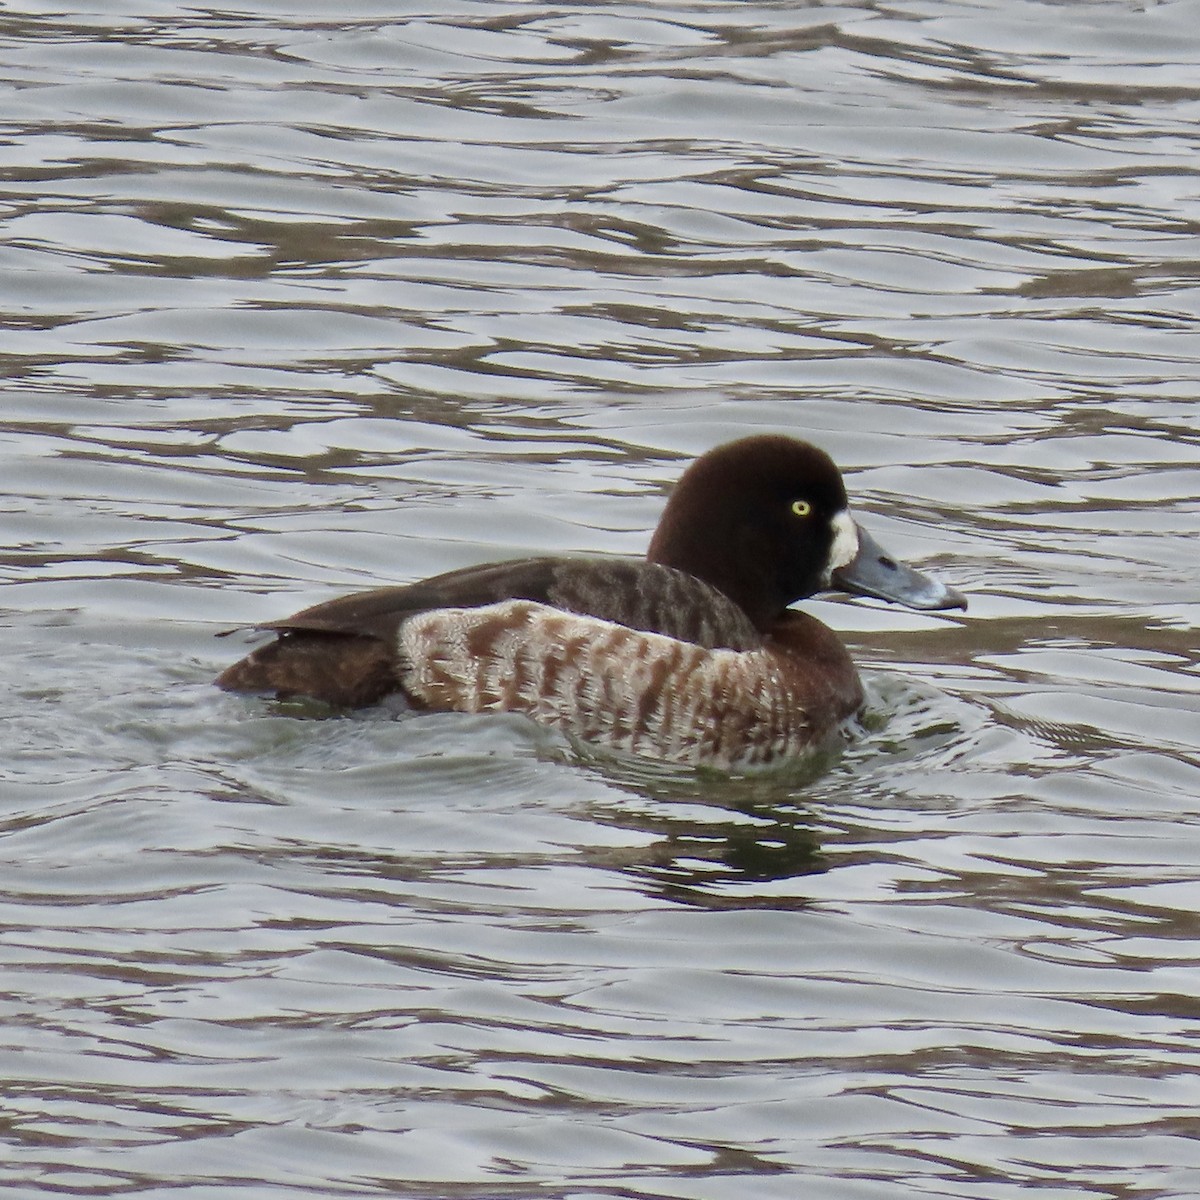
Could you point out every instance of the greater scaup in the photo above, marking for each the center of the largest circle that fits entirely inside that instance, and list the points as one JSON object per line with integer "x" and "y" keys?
{"x": 691, "y": 655}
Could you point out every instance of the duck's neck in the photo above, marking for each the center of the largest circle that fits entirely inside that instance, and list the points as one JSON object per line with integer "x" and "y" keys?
{"x": 744, "y": 577}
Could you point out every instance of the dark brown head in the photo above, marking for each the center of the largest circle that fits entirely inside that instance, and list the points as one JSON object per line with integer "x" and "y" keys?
{"x": 766, "y": 521}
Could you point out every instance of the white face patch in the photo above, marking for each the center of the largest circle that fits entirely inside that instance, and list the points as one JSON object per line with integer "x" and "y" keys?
{"x": 845, "y": 542}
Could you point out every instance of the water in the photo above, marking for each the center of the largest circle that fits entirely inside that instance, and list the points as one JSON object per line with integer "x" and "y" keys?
{"x": 296, "y": 302}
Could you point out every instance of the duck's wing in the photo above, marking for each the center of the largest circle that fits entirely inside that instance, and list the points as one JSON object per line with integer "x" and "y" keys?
{"x": 379, "y": 613}
{"x": 346, "y": 651}
{"x": 638, "y": 594}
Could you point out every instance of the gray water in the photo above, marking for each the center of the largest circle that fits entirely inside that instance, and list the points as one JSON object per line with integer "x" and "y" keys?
{"x": 301, "y": 299}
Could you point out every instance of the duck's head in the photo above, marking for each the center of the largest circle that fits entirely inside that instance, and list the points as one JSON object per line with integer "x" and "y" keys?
{"x": 766, "y": 521}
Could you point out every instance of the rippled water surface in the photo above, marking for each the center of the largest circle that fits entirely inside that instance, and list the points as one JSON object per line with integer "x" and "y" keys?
{"x": 301, "y": 299}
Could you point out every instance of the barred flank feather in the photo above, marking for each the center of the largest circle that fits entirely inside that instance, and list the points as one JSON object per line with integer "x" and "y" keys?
{"x": 671, "y": 699}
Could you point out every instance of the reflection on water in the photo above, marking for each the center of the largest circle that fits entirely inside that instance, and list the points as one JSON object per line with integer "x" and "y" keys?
{"x": 297, "y": 304}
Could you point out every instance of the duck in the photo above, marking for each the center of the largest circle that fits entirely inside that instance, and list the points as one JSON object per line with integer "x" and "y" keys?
{"x": 693, "y": 654}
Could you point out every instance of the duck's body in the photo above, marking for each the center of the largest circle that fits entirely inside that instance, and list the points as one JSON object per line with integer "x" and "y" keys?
{"x": 632, "y": 655}
{"x": 691, "y": 655}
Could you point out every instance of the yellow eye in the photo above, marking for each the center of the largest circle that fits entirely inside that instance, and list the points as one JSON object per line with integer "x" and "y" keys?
{"x": 801, "y": 508}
